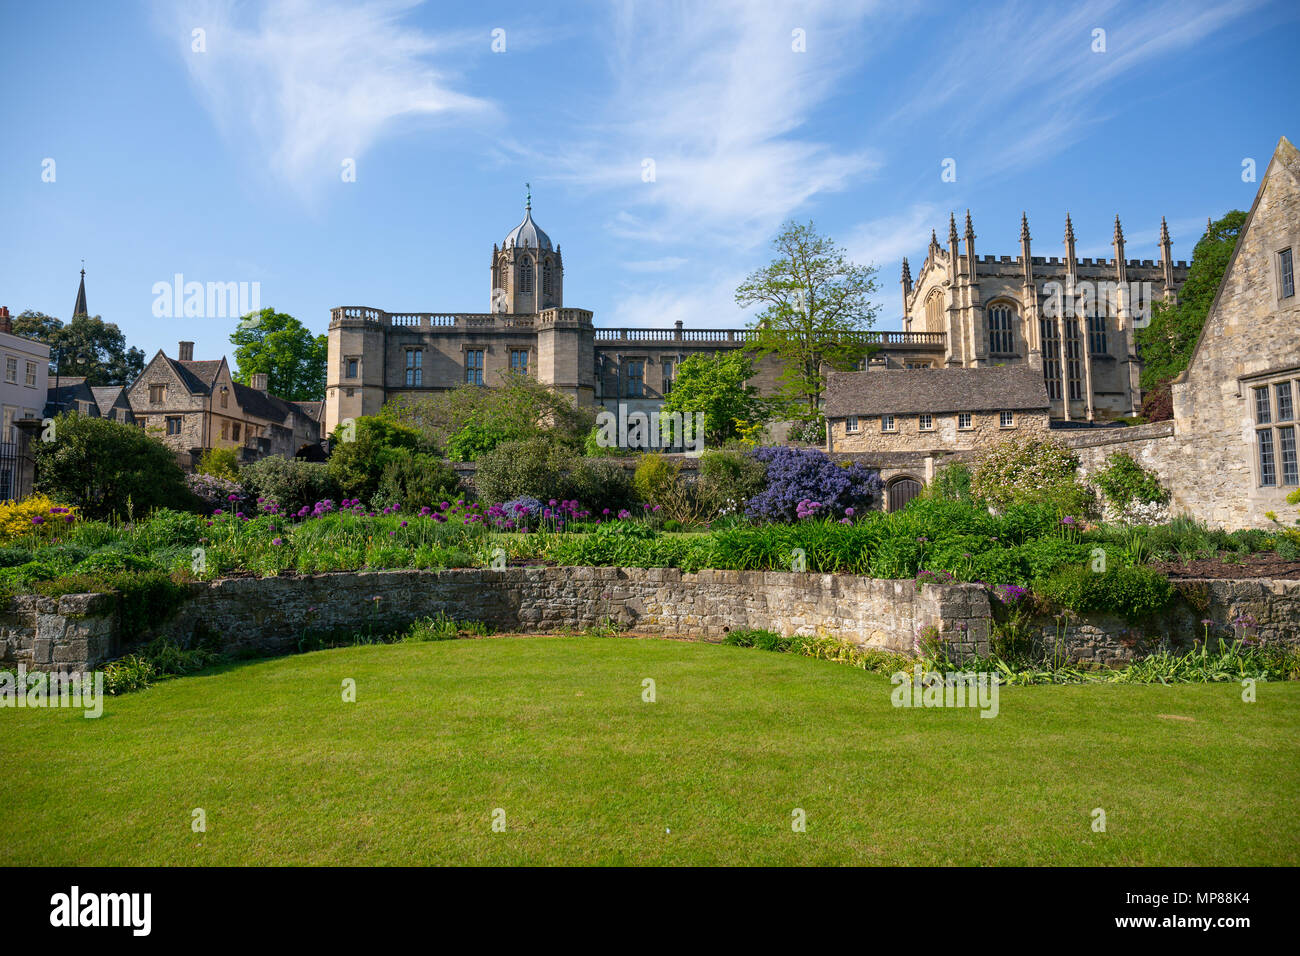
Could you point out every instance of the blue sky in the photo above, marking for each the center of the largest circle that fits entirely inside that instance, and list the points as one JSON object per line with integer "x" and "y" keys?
{"x": 225, "y": 165}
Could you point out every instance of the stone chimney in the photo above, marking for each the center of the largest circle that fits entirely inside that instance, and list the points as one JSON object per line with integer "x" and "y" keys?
{"x": 187, "y": 351}
{"x": 258, "y": 381}
{"x": 6, "y": 323}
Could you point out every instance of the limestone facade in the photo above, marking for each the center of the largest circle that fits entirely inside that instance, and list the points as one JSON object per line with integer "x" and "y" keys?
{"x": 376, "y": 356}
{"x": 192, "y": 406}
{"x": 1071, "y": 318}
{"x": 1229, "y": 455}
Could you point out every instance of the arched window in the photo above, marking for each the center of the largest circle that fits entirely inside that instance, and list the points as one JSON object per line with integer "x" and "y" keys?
{"x": 1051, "y": 357}
{"x": 546, "y": 278}
{"x": 526, "y": 275}
{"x": 1000, "y": 338}
{"x": 934, "y": 312}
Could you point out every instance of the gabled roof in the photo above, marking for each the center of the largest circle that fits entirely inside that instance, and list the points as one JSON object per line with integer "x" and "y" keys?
{"x": 312, "y": 410}
{"x": 264, "y": 404}
{"x": 108, "y": 396}
{"x": 1285, "y": 159}
{"x": 937, "y": 390}
{"x": 205, "y": 371}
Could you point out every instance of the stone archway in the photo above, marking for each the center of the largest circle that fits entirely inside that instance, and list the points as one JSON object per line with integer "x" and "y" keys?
{"x": 899, "y": 491}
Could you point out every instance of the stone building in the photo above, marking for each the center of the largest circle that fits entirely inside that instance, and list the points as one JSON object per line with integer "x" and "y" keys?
{"x": 376, "y": 356}
{"x": 1071, "y": 318}
{"x": 942, "y": 411}
{"x": 904, "y": 422}
{"x": 192, "y": 406}
{"x": 1229, "y": 455}
{"x": 23, "y": 388}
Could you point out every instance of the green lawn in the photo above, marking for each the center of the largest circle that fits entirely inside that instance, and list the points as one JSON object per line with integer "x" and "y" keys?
{"x": 555, "y": 732}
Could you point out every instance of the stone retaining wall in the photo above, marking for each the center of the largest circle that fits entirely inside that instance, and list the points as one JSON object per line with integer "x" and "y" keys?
{"x": 279, "y": 615}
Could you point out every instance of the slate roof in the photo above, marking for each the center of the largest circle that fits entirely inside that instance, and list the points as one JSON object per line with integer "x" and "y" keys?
{"x": 107, "y": 396}
{"x": 264, "y": 404}
{"x": 312, "y": 410}
{"x": 936, "y": 390}
{"x": 203, "y": 371}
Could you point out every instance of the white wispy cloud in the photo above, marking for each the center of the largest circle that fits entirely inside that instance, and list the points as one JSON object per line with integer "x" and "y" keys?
{"x": 717, "y": 98}
{"x": 704, "y": 303}
{"x": 302, "y": 86}
{"x": 1013, "y": 86}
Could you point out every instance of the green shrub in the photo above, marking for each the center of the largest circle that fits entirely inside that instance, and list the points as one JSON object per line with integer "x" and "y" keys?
{"x": 290, "y": 483}
{"x": 219, "y": 462}
{"x": 757, "y": 637}
{"x": 11, "y": 556}
{"x": 1135, "y": 593}
{"x": 535, "y": 467}
{"x": 358, "y": 456}
{"x": 114, "y": 562}
{"x": 413, "y": 480}
{"x": 475, "y": 440}
{"x": 164, "y": 529}
{"x": 1124, "y": 482}
{"x": 1037, "y": 470}
{"x": 728, "y": 479}
{"x": 109, "y": 469}
{"x": 951, "y": 483}
{"x": 659, "y": 482}
{"x": 599, "y": 483}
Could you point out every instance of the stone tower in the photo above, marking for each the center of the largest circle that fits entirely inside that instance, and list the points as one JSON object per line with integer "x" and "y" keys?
{"x": 527, "y": 272}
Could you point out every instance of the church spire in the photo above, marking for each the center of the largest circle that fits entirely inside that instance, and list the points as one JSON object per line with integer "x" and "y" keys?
{"x": 1119, "y": 231}
{"x": 1024, "y": 227}
{"x": 80, "y": 307}
{"x": 952, "y": 229}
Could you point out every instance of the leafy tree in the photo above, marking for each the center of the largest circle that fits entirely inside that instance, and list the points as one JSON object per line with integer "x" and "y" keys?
{"x": 282, "y": 348}
{"x": 357, "y": 461}
{"x": 1167, "y": 343}
{"x": 469, "y": 421}
{"x": 220, "y": 463}
{"x": 717, "y": 385}
{"x": 89, "y": 346}
{"x": 816, "y": 304}
{"x": 108, "y": 469}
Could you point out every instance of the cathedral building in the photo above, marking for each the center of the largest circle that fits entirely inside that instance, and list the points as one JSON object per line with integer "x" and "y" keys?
{"x": 376, "y": 356}
{"x": 1073, "y": 318}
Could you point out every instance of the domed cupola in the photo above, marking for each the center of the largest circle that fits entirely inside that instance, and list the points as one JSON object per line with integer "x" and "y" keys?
{"x": 527, "y": 234}
{"x": 527, "y": 271}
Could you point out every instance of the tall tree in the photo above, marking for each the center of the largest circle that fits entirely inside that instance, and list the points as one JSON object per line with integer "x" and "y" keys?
{"x": 281, "y": 347}
{"x": 816, "y": 304}
{"x": 717, "y": 386}
{"x": 87, "y": 345}
{"x": 1166, "y": 344}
